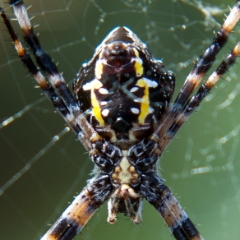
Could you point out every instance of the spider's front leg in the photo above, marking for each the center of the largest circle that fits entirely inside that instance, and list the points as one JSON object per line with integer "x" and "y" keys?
{"x": 55, "y": 89}
{"x": 184, "y": 104}
{"x": 106, "y": 156}
{"x": 152, "y": 187}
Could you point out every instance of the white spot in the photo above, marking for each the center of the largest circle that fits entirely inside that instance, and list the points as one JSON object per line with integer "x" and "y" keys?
{"x": 21, "y": 14}
{"x": 105, "y": 112}
{"x": 69, "y": 118}
{"x": 98, "y": 68}
{"x": 135, "y": 110}
{"x": 194, "y": 78}
{"x": 56, "y": 79}
{"x": 103, "y": 91}
{"x": 151, "y": 110}
{"x": 138, "y": 60}
{"x": 151, "y": 83}
{"x": 103, "y": 103}
{"x": 87, "y": 86}
{"x": 94, "y": 84}
{"x": 134, "y": 89}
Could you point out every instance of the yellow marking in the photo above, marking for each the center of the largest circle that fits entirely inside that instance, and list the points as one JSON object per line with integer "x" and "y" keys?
{"x": 114, "y": 176}
{"x": 94, "y": 85}
{"x": 96, "y": 109}
{"x": 132, "y": 169}
{"x": 101, "y": 54}
{"x": 138, "y": 67}
{"x": 117, "y": 169}
{"x": 135, "y": 175}
{"x": 144, "y": 108}
{"x": 95, "y": 137}
{"x": 138, "y": 64}
{"x": 19, "y": 48}
{"x": 98, "y": 69}
{"x": 136, "y": 52}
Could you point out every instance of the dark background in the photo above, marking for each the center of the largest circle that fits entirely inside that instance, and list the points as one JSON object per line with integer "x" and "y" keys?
{"x": 201, "y": 165}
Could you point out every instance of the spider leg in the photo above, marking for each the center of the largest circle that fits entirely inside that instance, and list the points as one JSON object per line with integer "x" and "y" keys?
{"x": 160, "y": 196}
{"x": 99, "y": 189}
{"x": 196, "y": 99}
{"x": 43, "y": 59}
{"x": 132, "y": 209}
{"x": 199, "y": 70}
{"x": 162, "y": 199}
{"x": 86, "y": 134}
{"x": 75, "y": 217}
{"x": 113, "y": 205}
{"x": 47, "y": 89}
{"x": 207, "y": 58}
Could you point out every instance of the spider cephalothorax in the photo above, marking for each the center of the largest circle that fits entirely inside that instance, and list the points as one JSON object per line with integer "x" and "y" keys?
{"x": 122, "y": 113}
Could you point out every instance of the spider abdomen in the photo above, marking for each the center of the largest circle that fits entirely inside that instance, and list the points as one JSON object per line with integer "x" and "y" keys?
{"x": 123, "y": 89}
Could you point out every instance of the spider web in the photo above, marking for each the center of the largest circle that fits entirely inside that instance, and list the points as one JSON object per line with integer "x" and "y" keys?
{"x": 42, "y": 165}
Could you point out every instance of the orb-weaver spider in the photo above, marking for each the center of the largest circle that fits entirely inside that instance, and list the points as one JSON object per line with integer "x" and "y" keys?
{"x": 121, "y": 111}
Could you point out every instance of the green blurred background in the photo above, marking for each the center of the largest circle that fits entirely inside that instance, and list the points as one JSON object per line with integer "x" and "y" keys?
{"x": 201, "y": 165}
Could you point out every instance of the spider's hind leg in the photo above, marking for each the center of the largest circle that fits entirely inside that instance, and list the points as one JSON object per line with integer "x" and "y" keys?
{"x": 77, "y": 214}
{"x": 161, "y": 197}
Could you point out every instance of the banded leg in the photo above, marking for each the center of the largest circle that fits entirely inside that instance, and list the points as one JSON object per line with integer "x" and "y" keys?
{"x": 202, "y": 92}
{"x": 75, "y": 217}
{"x": 37, "y": 75}
{"x": 86, "y": 134}
{"x": 160, "y": 196}
{"x": 44, "y": 61}
{"x": 199, "y": 70}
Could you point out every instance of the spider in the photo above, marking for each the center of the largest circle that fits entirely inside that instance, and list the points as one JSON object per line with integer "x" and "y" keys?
{"x": 121, "y": 110}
